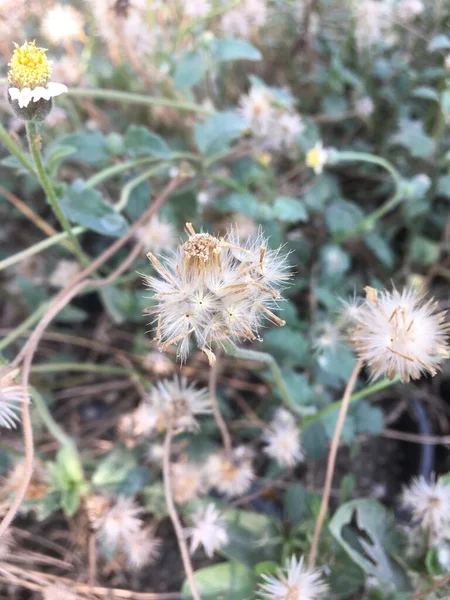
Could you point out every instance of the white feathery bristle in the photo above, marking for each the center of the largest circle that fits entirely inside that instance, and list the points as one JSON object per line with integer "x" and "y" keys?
{"x": 294, "y": 582}
{"x": 208, "y": 530}
{"x": 283, "y": 439}
{"x": 429, "y": 503}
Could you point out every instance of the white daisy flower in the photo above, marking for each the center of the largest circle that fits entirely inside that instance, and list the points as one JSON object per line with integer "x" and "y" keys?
{"x": 257, "y": 109}
{"x": 29, "y": 76}
{"x": 317, "y": 158}
{"x": 208, "y": 530}
{"x": 283, "y": 439}
{"x": 294, "y": 582}
{"x": 399, "y": 334}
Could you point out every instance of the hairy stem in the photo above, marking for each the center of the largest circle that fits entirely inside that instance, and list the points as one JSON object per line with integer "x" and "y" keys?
{"x": 16, "y": 151}
{"x": 332, "y": 461}
{"x": 34, "y": 142}
{"x": 226, "y": 439}
{"x": 174, "y": 516}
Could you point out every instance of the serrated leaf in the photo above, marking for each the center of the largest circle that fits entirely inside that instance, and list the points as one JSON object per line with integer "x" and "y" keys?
{"x": 189, "y": 70}
{"x": 290, "y": 210}
{"x": 140, "y": 141}
{"x": 217, "y": 132}
{"x": 86, "y": 207}
{"x": 91, "y": 147}
{"x": 233, "y": 49}
{"x": 227, "y": 581}
{"x": 367, "y": 532}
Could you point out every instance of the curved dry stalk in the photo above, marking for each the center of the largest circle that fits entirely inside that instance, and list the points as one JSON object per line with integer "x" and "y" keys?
{"x": 226, "y": 439}
{"x": 334, "y": 447}
{"x": 75, "y": 285}
{"x": 174, "y": 516}
{"x": 439, "y": 583}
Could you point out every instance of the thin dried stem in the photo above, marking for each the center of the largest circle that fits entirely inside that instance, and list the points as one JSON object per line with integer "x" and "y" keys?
{"x": 61, "y": 300}
{"x": 439, "y": 583}
{"x": 332, "y": 461}
{"x": 174, "y": 516}
{"x": 216, "y": 410}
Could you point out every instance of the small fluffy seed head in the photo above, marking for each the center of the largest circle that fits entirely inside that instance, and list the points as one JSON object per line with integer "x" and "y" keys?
{"x": 63, "y": 23}
{"x": 294, "y": 582}
{"x": 398, "y": 333}
{"x": 208, "y": 530}
{"x": 429, "y": 503}
{"x": 12, "y": 396}
{"x": 141, "y": 548}
{"x": 231, "y": 476}
{"x": 29, "y": 66}
{"x": 283, "y": 439}
{"x": 187, "y": 481}
{"x": 119, "y": 522}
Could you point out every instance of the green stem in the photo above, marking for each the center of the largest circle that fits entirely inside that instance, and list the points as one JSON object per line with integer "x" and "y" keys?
{"x": 268, "y": 360}
{"x": 80, "y": 368}
{"x": 56, "y": 431}
{"x": 367, "y": 223}
{"x": 16, "y": 151}
{"x": 133, "y": 183}
{"x": 33, "y": 141}
{"x": 39, "y": 247}
{"x": 114, "y": 170}
{"x": 24, "y": 326}
{"x": 143, "y": 99}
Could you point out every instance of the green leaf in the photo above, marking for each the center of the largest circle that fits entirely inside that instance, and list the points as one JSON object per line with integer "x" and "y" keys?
{"x": 425, "y": 92}
{"x": 189, "y": 70}
{"x": 217, "y": 132}
{"x": 296, "y": 504}
{"x": 86, "y": 207}
{"x": 57, "y": 154}
{"x": 251, "y": 537}
{"x": 329, "y": 420}
{"x": 289, "y": 209}
{"x": 246, "y": 204}
{"x": 439, "y": 42}
{"x": 232, "y": 49}
{"x": 123, "y": 304}
{"x": 412, "y": 137}
{"x": 342, "y": 215}
{"x": 288, "y": 345}
{"x": 380, "y": 248}
{"x": 90, "y": 146}
{"x": 113, "y": 469}
{"x": 227, "y": 581}
{"x": 367, "y": 532}
{"x": 368, "y": 418}
{"x": 140, "y": 141}
{"x": 443, "y": 186}
{"x": 423, "y": 251}
{"x": 314, "y": 440}
{"x": 70, "y": 501}
{"x": 138, "y": 200}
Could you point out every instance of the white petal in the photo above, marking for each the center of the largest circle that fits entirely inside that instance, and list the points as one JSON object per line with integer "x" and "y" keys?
{"x": 22, "y": 96}
{"x": 40, "y": 92}
{"x": 56, "y": 89}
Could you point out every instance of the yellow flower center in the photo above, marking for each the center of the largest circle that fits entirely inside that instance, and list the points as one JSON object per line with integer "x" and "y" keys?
{"x": 314, "y": 158}
{"x": 29, "y": 66}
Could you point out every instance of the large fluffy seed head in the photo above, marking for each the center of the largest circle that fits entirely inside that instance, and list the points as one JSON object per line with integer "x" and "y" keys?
{"x": 215, "y": 290}
{"x": 429, "y": 503}
{"x": 230, "y": 475}
{"x": 63, "y": 23}
{"x": 141, "y": 548}
{"x": 398, "y": 333}
{"x": 208, "y": 530}
{"x": 294, "y": 582}
{"x": 283, "y": 439}
{"x": 187, "y": 481}
{"x": 29, "y": 66}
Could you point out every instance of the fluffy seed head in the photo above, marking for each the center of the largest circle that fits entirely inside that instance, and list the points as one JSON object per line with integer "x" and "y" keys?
{"x": 294, "y": 582}
{"x": 141, "y": 548}
{"x": 29, "y": 66}
{"x": 119, "y": 522}
{"x": 187, "y": 481}
{"x": 399, "y": 334}
{"x": 62, "y": 23}
{"x": 430, "y": 503}
{"x": 208, "y": 530}
{"x": 214, "y": 290}
{"x": 12, "y": 396}
{"x": 283, "y": 439}
{"x": 231, "y": 476}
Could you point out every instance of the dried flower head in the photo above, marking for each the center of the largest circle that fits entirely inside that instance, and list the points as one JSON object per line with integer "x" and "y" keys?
{"x": 399, "y": 333}
{"x": 172, "y": 402}
{"x": 187, "y": 481}
{"x": 283, "y": 439}
{"x": 29, "y": 74}
{"x": 233, "y": 475}
{"x": 429, "y": 503}
{"x": 215, "y": 290}
{"x": 63, "y": 23}
{"x": 64, "y": 271}
{"x": 294, "y": 582}
{"x": 141, "y": 548}
{"x": 208, "y": 530}
{"x": 119, "y": 522}
{"x": 12, "y": 396}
